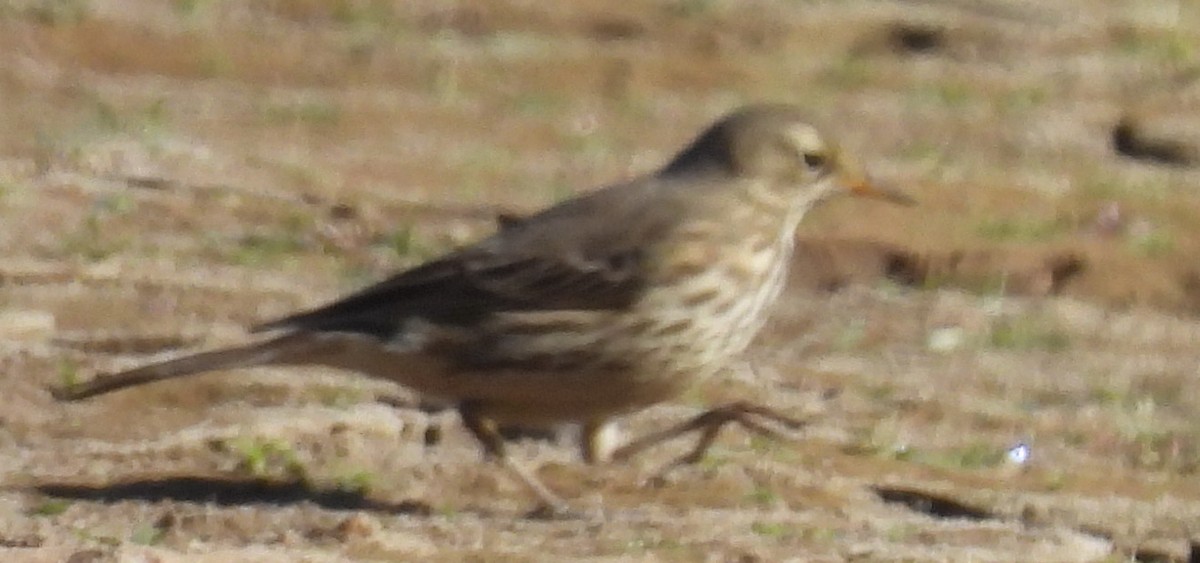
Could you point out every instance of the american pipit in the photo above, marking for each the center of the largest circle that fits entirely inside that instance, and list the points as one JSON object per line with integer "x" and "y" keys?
{"x": 596, "y": 307}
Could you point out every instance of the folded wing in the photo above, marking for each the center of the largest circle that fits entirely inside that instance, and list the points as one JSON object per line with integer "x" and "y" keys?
{"x": 565, "y": 258}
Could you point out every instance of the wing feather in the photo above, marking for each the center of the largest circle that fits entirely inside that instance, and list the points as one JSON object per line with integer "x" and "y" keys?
{"x": 568, "y": 257}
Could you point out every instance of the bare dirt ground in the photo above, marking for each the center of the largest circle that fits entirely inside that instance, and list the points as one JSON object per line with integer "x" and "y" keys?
{"x": 171, "y": 171}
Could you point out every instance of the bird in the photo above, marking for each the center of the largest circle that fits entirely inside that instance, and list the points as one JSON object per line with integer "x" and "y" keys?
{"x": 594, "y": 308}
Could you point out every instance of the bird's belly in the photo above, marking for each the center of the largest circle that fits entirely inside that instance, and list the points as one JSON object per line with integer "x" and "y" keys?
{"x": 553, "y": 367}
{"x": 582, "y": 365}
{"x": 526, "y": 398}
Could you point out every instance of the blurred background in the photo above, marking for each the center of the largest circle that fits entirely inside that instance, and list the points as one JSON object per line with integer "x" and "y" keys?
{"x": 173, "y": 170}
{"x": 1061, "y": 137}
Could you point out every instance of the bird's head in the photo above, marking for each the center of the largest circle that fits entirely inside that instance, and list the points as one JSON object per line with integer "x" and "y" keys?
{"x": 786, "y": 158}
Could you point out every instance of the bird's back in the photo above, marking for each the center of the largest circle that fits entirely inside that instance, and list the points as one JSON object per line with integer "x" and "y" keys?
{"x": 585, "y": 254}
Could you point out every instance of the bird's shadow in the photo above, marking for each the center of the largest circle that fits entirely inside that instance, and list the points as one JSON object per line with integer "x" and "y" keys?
{"x": 229, "y": 492}
{"x": 931, "y": 504}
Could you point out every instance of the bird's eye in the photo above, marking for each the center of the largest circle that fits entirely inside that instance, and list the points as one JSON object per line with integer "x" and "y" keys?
{"x": 814, "y": 160}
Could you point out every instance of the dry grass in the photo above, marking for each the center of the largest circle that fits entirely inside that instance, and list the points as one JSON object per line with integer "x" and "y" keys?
{"x": 170, "y": 171}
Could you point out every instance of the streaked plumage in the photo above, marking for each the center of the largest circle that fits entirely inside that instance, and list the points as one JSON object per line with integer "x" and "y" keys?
{"x": 598, "y": 306}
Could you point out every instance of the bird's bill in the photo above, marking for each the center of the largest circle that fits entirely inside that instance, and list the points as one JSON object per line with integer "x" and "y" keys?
{"x": 863, "y": 186}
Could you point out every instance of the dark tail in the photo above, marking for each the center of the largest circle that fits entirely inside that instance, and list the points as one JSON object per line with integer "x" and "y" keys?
{"x": 286, "y": 349}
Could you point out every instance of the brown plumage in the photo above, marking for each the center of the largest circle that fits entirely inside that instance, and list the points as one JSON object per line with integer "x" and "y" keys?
{"x": 596, "y": 307}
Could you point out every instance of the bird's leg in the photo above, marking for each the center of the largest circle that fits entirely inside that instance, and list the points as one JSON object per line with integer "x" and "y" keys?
{"x": 709, "y": 424}
{"x": 488, "y": 433}
{"x": 597, "y": 438}
{"x": 433, "y": 432}
{"x": 433, "y": 426}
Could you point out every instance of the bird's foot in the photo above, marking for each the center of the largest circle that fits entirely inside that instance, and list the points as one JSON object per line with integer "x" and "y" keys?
{"x": 755, "y": 418}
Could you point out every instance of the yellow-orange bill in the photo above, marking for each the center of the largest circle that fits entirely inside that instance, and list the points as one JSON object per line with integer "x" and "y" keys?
{"x": 865, "y": 187}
